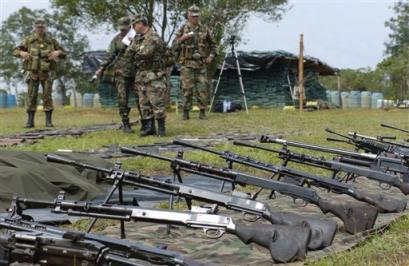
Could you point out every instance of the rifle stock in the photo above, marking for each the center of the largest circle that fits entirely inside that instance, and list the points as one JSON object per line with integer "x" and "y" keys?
{"x": 349, "y": 216}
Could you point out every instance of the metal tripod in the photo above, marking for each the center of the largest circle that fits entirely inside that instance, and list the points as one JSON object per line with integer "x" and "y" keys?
{"x": 233, "y": 52}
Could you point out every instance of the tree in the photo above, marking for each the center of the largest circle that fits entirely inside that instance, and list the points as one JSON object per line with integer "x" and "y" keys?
{"x": 399, "y": 27}
{"x": 65, "y": 29}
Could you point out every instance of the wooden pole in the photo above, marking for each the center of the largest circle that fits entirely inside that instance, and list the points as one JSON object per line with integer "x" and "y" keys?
{"x": 301, "y": 73}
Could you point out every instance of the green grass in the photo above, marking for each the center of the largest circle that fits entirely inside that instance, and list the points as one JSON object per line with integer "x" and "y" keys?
{"x": 390, "y": 248}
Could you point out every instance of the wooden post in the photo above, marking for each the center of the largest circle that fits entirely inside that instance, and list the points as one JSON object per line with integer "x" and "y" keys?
{"x": 301, "y": 73}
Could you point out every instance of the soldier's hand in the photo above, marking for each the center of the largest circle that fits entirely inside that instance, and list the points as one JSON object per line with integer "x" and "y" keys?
{"x": 99, "y": 71}
{"x": 25, "y": 55}
{"x": 186, "y": 36}
{"x": 54, "y": 55}
{"x": 209, "y": 60}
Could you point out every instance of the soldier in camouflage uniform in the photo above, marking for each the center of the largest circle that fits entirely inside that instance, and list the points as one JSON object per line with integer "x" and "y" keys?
{"x": 196, "y": 49}
{"x": 39, "y": 52}
{"x": 124, "y": 74}
{"x": 148, "y": 53}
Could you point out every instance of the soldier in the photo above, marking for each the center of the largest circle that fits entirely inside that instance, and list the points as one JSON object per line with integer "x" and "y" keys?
{"x": 148, "y": 53}
{"x": 39, "y": 52}
{"x": 197, "y": 49}
{"x": 124, "y": 73}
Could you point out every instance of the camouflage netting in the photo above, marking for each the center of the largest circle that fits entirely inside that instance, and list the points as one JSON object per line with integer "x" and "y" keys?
{"x": 267, "y": 78}
{"x": 28, "y": 174}
{"x": 229, "y": 250}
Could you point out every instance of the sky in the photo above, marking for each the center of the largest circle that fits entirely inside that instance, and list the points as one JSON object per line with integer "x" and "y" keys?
{"x": 342, "y": 33}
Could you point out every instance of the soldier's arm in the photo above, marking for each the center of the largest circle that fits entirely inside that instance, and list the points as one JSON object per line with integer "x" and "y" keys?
{"x": 212, "y": 44}
{"x": 149, "y": 47}
{"x": 60, "y": 49}
{"x": 22, "y": 47}
{"x": 111, "y": 53}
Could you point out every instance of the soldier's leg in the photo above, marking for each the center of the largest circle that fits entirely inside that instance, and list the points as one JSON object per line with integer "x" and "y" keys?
{"x": 47, "y": 86}
{"x": 31, "y": 105}
{"x": 157, "y": 99}
{"x": 202, "y": 91}
{"x": 121, "y": 87}
{"x": 146, "y": 110}
{"x": 187, "y": 84}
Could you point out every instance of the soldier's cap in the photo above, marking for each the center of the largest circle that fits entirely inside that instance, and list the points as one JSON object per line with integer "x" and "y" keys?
{"x": 139, "y": 18}
{"x": 194, "y": 11}
{"x": 124, "y": 23}
{"x": 39, "y": 23}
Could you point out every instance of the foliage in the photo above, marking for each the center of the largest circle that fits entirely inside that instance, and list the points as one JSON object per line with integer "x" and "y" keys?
{"x": 65, "y": 29}
{"x": 399, "y": 27}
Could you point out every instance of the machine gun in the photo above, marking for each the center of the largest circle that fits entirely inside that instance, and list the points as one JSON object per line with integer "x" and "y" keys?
{"x": 285, "y": 243}
{"x": 372, "y": 161}
{"x": 371, "y": 146}
{"x": 323, "y": 231}
{"x": 383, "y": 204}
{"x": 382, "y": 139}
{"x": 118, "y": 247}
{"x": 55, "y": 250}
{"x": 332, "y": 165}
{"x": 356, "y": 216}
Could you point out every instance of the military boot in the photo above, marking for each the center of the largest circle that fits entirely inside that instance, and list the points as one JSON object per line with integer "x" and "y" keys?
{"x": 30, "y": 119}
{"x": 161, "y": 127}
{"x": 48, "y": 119}
{"x": 202, "y": 114}
{"x": 126, "y": 126}
{"x": 186, "y": 115}
{"x": 150, "y": 128}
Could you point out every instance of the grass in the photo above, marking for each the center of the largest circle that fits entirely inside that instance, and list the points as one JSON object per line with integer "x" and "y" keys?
{"x": 391, "y": 248}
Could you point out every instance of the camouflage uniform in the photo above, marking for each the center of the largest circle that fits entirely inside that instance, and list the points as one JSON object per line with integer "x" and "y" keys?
{"x": 38, "y": 71}
{"x": 124, "y": 73}
{"x": 192, "y": 54}
{"x": 147, "y": 52}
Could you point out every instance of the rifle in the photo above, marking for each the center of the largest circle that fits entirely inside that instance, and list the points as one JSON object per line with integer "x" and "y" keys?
{"x": 396, "y": 128}
{"x": 332, "y": 165}
{"x": 119, "y": 247}
{"x": 383, "y": 139}
{"x": 372, "y": 161}
{"x": 372, "y": 146}
{"x": 356, "y": 216}
{"x": 383, "y": 204}
{"x": 55, "y": 250}
{"x": 285, "y": 243}
{"x": 323, "y": 231}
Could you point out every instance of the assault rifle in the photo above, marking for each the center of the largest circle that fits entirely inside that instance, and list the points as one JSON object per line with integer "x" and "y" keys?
{"x": 285, "y": 243}
{"x": 323, "y": 231}
{"x": 332, "y": 165}
{"x": 357, "y": 216}
{"x": 118, "y": 247}
{"x": 372, "y": 161}
{"x": 42, "y": 248}
{"x": 372, "y": 146}
{"x": 383, "y": 204}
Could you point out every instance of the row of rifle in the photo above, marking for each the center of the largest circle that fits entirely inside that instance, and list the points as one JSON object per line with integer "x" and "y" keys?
{"x": 287, "y": 236}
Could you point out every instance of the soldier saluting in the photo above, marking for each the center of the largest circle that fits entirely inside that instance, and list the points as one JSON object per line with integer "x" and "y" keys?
{"x": 39, "y": 52}
{"x": 197, "y": 49}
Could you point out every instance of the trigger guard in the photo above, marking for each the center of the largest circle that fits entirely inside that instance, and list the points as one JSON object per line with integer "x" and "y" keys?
{"x": 218, "y": 234}
{"x": 384, "y": 186}
{"x": 249, "y": 217}
{"x": 302, "y": 204}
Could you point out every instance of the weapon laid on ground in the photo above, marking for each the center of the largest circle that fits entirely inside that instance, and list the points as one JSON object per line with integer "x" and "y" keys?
{"x": 356, "y": 216}
{"x": 55, "y": 250}
{"x": 383, "y": 204}
{"x": 375, "y": 162}
{"x": 370, "y": 145}
{"x": 323, "y": 231}
{"x": 332, "y": 165}
{"x": 382, "y": 139}
{"x": 396, "y": 128}
{"x": 118, "y": 247}
{"x": 285, "y": 243}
